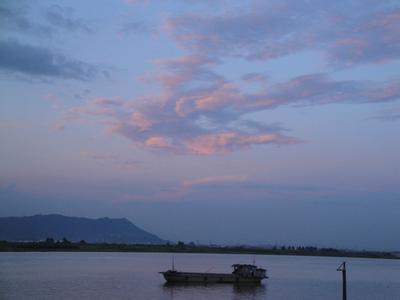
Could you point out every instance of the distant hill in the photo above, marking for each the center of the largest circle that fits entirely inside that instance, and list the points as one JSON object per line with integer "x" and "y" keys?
{"x": 40, "y": 227}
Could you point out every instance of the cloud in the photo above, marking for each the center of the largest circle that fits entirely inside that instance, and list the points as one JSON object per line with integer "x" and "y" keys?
{"x": 217, "y": 143}
{"x": 222, "y": 184}
{"x": 211, "y": 120}
{"x": 62, "y": 17}
{"x": 345, "y": 31}
{"x": 186, "y": 187}
{"x": 115, "y": 159}
{"x": 165, "y": 129}
{"x": 372, "y": 38}
{"x": 197, "y": 111}
{"x": 19, "y": 18}
{"x": 221, "y": 94}
{"x": 318, "y": 89}
{"x": 157, "y": 142}
{"x": 177, "y": 72}
{"x": 108, "y": 102}
{"x": 247, "y": 188}
{"x": 255, "y": 77}
{"x": 140, "y": 121}
{"x": 39, "y": 61}
{"x": 16, "y": 19}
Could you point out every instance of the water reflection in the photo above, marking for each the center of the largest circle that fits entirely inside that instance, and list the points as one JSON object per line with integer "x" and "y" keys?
{"x": 177, "y": 291}
{"x": 258, "y": 291}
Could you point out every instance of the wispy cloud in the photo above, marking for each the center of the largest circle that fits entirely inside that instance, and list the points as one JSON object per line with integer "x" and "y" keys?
{"x": 63, "y": 17}
{"x": 217, "y": 143}
{"x": 15, "y": 18}
{"x": 345, "y": 31}
{"x": 40, "y": 61}
{"x": 186, "y": 187}
{"x": 222, "y": 185}
{"x": 115, "y": 159}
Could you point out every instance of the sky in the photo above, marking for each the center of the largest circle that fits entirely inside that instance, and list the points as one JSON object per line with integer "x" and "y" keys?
{"x": 226, "y": 122}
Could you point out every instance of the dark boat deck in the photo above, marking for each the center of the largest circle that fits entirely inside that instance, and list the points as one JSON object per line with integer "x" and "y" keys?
{"x": 241, "y": 274}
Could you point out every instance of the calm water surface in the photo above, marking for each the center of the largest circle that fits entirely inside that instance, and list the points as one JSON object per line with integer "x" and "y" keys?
{"x": 135, "y": 276}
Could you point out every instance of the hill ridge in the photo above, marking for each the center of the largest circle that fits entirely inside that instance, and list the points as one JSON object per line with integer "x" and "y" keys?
{"x": 42, "y": 226}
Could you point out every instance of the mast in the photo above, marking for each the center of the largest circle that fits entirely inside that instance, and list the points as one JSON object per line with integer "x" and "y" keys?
{"x": 342, "y": 268}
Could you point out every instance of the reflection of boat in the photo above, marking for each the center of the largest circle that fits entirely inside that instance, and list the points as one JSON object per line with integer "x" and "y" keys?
{"x": 241, "y": 274}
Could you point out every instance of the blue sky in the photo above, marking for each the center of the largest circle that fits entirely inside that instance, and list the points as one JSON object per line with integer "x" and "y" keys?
{"x": 260, "y": 122}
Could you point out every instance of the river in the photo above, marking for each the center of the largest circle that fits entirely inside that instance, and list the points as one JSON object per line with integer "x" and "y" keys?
{"x": 77, "y": 275}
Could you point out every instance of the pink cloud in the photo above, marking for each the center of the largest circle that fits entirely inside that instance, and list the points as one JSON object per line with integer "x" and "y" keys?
{"x": 140, "y": 121}
{"x": 169, "y": 121}
{"x": 217, "y": 143}
{"x": 221, "y": 94}
{"x": 108, "y": 102}
{"x": 226, "y": 93}
{"x": 158, "y": 142}
{"x": 59, "y": 126}
{"x": 186, "y": 187}
{"x": 185, "y": 61}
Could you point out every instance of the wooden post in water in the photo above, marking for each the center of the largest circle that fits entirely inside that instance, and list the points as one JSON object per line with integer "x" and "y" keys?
{"x": 342, "y": 268}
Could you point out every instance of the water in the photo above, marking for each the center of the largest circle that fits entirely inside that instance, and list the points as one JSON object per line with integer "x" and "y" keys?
{"x": 58, "y": 275}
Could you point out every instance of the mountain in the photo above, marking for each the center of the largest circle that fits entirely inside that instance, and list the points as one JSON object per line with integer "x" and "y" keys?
{"x": 40, "y": 227}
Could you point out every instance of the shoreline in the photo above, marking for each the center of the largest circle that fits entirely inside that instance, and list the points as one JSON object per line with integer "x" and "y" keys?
{"x": 147, "y": 248}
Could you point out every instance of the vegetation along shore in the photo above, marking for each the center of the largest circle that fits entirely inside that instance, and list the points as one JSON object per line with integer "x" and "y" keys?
{"x": 180, "y": 247}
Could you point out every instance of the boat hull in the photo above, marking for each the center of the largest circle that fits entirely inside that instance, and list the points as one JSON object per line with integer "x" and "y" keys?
{"x": 186, "y": 277}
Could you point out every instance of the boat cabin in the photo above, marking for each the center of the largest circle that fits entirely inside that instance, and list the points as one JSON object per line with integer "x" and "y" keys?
{"x": 249, "y": 271}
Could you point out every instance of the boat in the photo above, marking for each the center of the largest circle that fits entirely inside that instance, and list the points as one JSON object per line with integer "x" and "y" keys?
{"x": 242, "y": 273}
